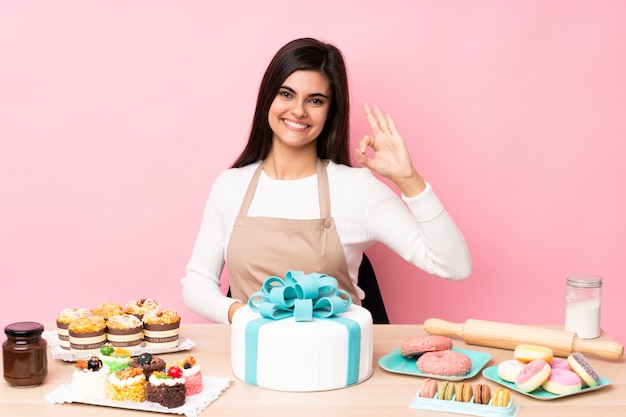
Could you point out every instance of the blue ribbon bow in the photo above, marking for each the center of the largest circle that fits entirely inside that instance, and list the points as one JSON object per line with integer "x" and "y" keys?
{"x": 301, "y": 296}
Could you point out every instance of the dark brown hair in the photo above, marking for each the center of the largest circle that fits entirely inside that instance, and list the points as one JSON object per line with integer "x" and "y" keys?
{"x": 303, "y": 54}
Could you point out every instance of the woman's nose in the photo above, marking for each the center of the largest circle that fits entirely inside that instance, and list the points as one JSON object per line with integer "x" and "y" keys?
{"x": 298, "y": 109}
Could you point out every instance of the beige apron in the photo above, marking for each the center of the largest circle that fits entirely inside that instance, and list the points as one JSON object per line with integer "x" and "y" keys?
{"x": 261, "y": 247}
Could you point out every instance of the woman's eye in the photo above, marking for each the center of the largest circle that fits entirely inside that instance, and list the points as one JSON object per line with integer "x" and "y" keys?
{"x": 285, "y": 94}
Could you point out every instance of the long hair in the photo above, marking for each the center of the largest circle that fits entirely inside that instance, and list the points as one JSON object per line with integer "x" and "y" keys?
{"x": 303, "y": 54}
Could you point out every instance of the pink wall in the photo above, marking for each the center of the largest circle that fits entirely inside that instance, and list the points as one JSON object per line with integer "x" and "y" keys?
{"x": 115, "y": 117}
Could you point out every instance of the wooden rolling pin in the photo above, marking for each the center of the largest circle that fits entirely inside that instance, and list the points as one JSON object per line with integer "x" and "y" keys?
{"x": 508, "y": 336}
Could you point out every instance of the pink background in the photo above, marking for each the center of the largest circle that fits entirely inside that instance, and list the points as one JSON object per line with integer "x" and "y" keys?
{"x": 115, "y": 118}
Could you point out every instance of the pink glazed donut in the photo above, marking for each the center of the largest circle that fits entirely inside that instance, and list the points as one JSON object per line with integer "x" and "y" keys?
{"x": 415, "y": 346}
{"x": 533, "y": 375}
{"x": 444, "y": 363}
{"x": 563, "y": 381}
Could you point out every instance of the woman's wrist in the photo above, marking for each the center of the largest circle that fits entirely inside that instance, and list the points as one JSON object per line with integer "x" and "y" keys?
{"x": 231, "y": 310}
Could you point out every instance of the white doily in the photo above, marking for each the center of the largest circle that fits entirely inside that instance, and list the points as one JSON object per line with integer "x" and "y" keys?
{"x": 212, "y": 387}
{"x": 52, "y": 337}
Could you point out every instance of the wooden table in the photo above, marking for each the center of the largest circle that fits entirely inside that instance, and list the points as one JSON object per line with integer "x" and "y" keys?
{"x": 384, "y": 394}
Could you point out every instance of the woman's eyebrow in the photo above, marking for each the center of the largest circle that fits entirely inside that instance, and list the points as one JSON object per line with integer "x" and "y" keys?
{"x": 291, "y": 90}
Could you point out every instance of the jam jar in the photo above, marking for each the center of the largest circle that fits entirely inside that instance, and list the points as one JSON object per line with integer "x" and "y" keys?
{"x": 24, "y": 355}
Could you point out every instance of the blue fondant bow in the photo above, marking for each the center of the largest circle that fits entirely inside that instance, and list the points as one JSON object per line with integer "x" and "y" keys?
{"x": 301, "y": 296}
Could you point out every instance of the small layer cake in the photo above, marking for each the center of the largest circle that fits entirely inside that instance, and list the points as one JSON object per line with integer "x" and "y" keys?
{"x": 90, "y": 378}
{"x": 64, "y": 318}
{"x": 192, "y": 374}
{"x": 149, "y": 363}
{"x": 161, "y": 328}
{"x": 86, "y": 336}
{"x": 127, "y": 385}
{"x": 107, "y": 309}
{"x": 115, "y": 358}
{"x": 139, "y": 307}
{"x": 167, "y": 388}
{"x": 124, "y": 330}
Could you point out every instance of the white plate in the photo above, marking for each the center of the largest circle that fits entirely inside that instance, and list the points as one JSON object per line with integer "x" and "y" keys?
{"x": 52, "y": 337}
{"x": 212, "y": 387}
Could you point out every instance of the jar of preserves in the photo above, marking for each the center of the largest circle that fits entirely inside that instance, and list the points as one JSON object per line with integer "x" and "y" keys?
{"x": 24, "y": 354}
{"x": 582, "y": 305}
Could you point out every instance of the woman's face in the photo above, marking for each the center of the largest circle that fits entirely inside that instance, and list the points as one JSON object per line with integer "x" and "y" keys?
{"x": 299, "y": 110}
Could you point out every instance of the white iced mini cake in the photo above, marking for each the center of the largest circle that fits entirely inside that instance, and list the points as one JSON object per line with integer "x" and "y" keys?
{"x": 89, "y": 379}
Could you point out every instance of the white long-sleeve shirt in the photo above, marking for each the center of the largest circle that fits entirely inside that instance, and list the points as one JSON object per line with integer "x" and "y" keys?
{"x": 365, "y": 211}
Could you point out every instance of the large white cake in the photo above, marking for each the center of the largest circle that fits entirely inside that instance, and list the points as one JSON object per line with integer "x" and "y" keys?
{"x": 288, "y": 355}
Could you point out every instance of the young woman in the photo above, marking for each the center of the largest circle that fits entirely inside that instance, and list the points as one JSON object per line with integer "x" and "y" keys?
{"x": 292, "y": 201}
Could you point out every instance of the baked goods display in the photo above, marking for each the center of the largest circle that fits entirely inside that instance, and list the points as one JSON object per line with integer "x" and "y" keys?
{"x": 538, "y": 373}
{"x": 142, "y": 323}
{"x": 329, "y": 338}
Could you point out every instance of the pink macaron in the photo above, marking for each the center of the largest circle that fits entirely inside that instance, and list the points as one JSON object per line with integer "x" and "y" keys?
{"x": 429, "y": 389}
{"x": 562, "y": 381}
{"x": 533, "y": 375}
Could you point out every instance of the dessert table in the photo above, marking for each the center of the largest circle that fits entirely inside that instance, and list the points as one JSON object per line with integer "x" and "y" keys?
{"x": 383, "y": 394}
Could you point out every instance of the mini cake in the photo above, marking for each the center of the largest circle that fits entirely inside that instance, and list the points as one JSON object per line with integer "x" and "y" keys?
{"x": 87, "y": 335}
{"x": 64, "y": 318}
{"x": 107, "y": 309}
{"x": 124, "y": 330}
{"x": 192, "y": 374}
{"x": 161, "y": 328}
{"x": 115, "y": 358}
{"x": 167, "y": 388}
{"x": 139, "y": 307}
{"x": 127, "y": 385}
{"x": 90, "y": 378}
{"x": 149, "y": 363}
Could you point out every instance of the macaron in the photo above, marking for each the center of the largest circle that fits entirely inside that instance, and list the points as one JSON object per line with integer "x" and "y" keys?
{"x": 501, "y": 397}
{"x": 562, "y": 381}
{"x": 464, "y": 392}
{"x": 583, "y": 368}
{"x": 533, "y": 375}
{"x": 429, "y": 388}
{"x": 446, "y": 391}
{"x": 528, "y": 353}
{"x": 482, "y": 394}
{"x": 418, "y": 345}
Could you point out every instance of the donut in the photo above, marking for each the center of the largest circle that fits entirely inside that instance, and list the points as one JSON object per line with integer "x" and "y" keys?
{"x": 464, "y": 392}
{"x": 444, "y": 363}
{"x": 560, "y": 363}
{"x": 533, "y": 375}
{"x": 562, "y": 381}
{"x": 482, "y": 394}
{"x": 528, "y": 353}
{"x": 585, "y": 371}
{"x": 501, "y": 397}
{"x": 429, "y": 389}
{"x": 415, "y": 346}
{"x": 509, "y": 370}
{"x": 446, "y": 391}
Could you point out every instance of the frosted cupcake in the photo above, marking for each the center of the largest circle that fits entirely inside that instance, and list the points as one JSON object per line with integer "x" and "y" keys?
{"x": 63, "y": 320}
{"x": 89, "y": 379}
{"x": 124, "y": 330}
{"x": 167, "y": 388}
{"x": 161, "y": 328}
{"x": 127, "y": 385}
{"x": 87, "y": 335}
{"x": 140, "y": 307}
{"x": 115, "y": 358}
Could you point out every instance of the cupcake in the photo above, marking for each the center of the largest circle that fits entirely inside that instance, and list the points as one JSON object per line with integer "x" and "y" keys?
{"x": 192, "y": 374}
{"x": 127, "y": 385}
{"x": 124, "y": 330}
{"x": 167, "y": 388}
{"x": 161, "y": 328}
{"x": 89, "y": 379}
{"x": 64, "y": 318}
{"x": 149, "y": 363}
{"x": 139, "y": 307}
{"x": 87, "y": 335}
{"x": 107, "y": 309}
{"x": 115, "y": 358}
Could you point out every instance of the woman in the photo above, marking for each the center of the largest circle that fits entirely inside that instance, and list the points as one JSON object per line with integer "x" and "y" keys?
{"x": 291, "y": 201}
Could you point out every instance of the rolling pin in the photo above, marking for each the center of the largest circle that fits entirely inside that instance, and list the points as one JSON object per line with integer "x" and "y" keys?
{"x": 508, "y": 336}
